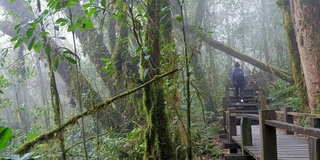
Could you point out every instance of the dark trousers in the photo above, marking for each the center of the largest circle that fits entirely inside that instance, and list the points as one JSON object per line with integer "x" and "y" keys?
{"x": 237, "y": 87}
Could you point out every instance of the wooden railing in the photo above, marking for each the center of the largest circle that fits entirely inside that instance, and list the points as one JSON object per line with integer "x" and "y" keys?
{"x": 268, "y": 124}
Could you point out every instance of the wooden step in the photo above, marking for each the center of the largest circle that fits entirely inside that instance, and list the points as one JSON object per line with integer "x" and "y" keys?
{"x": 245, "y": 104}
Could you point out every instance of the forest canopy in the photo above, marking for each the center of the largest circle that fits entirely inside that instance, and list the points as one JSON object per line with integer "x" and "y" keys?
{"x": 129, "y": 79}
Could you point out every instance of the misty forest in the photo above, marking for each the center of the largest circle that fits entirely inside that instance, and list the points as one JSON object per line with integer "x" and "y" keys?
{"x": 145, "y": 79}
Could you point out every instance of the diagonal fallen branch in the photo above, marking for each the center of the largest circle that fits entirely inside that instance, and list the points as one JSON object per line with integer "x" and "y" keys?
{"x": 25, "y": 147}
{"x": 237, "y": 54}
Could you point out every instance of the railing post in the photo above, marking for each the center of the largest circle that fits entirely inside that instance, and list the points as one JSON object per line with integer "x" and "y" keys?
{"x": 315, "y": 122}
{"x": 313, "y": 142}
{"x": 232, "y": 127}
{"x": 288, "y": 118}
{"x": 227, "y": 95}
{"x": 268, "y": 137}
{"x": 246, "y": 133}
{"x": 225, "y": 107}
{"x": 314, "y": 148}
{"x": 262, "y": 101}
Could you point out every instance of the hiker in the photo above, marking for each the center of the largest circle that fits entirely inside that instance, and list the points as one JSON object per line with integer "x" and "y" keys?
{"x": 239, "y": 81}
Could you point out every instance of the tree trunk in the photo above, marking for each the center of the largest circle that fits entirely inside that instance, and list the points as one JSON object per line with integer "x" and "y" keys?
{"x": 264, "y": 32}
{"x": 294, "y": 55}
{"x": 242, "y": 56}
{"x": 158, "y": 139}
{"x": 307, "y": 26}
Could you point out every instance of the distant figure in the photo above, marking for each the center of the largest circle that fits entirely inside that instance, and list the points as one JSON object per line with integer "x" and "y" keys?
{"x": 239, "y": 81}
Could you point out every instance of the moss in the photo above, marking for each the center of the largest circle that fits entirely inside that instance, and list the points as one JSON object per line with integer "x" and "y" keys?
{"x": 26, "y": 146}
{"x": 280, "y": 3}
{"x": 294, "y": 56}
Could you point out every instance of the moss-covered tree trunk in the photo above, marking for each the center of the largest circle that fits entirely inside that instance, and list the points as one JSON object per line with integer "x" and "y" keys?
{"x": 158, "y": 139}
{"x": 307, "y": 27}
{"x": 294, "y": 54}
{"x": 242, "y": 56}
{"x": 264, "y": 31}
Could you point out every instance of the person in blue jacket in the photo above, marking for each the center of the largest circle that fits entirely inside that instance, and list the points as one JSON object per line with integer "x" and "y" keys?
{"x": 239, "y": 81}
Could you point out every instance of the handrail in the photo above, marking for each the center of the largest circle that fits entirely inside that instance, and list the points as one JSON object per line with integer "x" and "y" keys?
{"x": 315, "y": 132}
{"x": 298, "y": 114}
{"x": 268, "y": 124}
{"x": 249, "y": 116}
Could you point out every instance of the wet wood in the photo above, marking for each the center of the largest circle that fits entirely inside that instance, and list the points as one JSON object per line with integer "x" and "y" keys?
{"x": 267, "y": 135}
{"x": 315, "y": 132}
{"x": 237, "y": 157}
{"x": 289, "y": 147}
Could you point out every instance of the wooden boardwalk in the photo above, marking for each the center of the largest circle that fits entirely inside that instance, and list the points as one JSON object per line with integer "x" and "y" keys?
{"x": 265, "y": 141}
{"x": 289, "y": 147}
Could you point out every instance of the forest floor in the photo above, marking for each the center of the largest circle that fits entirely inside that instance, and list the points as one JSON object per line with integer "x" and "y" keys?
{"x": 218, "y": 152}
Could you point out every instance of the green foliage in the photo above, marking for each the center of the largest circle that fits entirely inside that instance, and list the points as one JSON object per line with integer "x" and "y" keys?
{"x": 283, "y": 94}
{"x": 108, "y": 66}
{"x": 5, "y": 136}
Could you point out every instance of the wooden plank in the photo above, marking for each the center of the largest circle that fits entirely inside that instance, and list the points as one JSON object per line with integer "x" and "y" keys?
{"x": 268, "y": 136}
{"x": 314, "y": 148}
{"x": 232, "y": 128}
{"x": 289, "y": 147}
{"x": 315, "y": 132}
{"x": 249, "y": 116}
{"x": 223, "y": 136}
{"x": 315, "y": 122}
{"x": 288, "y": 118}
{"x": 237, "y": 157}
{"x": 262, "y": 100}
{"x": 304, "y": 114}
{"x": 230, "y": 145}
{"x": 246, "y": 133}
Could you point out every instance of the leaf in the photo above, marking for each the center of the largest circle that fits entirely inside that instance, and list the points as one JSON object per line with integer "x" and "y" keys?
{"x": 147, "y": 49}
{"x": 32, "y": 136}
{"x": 14, "y": 38}
{"x": 140, "y": 9}
{"x": 37, "y": 47}
{"x": 67, "y": 52}
{"x": 103, "y": 3}
{"x": 31, "y": 43}
{"x": 71, "y": 60}
{"x": 91, "y": 12}
{"x": 56, "y": 63}
{"x": 166, "y": 8}
{"x": 75, "y": 25}
{"x": 145, "y": 73}
{"x": 1, "y": 92}
{"x": 61, "y": 4}
{"x": 18, "y": 27}
{"x": 89, "y": 24}
{"x": 47, "y": 48}
{"x": 5, "y": 136}
{"x": 107, "y": 60}
{"x": 110, "y": 71}
{"x": 44, "y": 13}
{"x": 62, "y": 21}
{"x": 19, "y": 42}
{"x": 11, "y": 1}
{"x": 179, "y": 18}
{"x": 29, "y": 32}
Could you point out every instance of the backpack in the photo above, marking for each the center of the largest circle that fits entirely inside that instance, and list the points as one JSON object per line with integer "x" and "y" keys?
{"x": 239, "y": 76}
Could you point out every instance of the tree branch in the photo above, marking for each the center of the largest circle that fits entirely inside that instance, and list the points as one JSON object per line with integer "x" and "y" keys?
{"x": 237, "y": 54}
{"x": 25, "y": 147}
